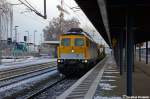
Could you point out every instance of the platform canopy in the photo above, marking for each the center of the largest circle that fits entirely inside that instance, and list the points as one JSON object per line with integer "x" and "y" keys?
{"x": 109, "y": 17}
{"x": 51, "y": 42}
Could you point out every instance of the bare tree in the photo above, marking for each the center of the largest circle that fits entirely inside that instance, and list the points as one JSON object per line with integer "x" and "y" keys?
{"x": 53, "y": 31}
{"x": 6, "y": 23}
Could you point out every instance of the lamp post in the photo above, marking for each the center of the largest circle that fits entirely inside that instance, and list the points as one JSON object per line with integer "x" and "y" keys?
{"x": 34, "y": 38}
{"x": 15, "y": 53}
{"x": 16, "y": 33}
{"x": 28, "y": 40}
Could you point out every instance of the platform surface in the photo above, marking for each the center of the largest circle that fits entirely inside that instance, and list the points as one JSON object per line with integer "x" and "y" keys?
{"x": 105, "y": 82}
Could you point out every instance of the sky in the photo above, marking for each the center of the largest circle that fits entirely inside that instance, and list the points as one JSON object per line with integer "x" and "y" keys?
{"x": 29, "y": 21}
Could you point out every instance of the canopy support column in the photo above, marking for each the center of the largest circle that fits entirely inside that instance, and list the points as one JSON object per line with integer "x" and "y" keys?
{"x": 130, "y": 51}
{"x": 146, "y": 52}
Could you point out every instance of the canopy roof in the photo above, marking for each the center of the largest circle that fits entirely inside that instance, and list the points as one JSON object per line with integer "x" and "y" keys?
{"x": 109, "y": 17}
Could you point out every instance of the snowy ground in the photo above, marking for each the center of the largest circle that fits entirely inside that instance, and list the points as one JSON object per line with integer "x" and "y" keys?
{"x": 10, "y": 63}
{"x": 18, "y": 90}
{"x": 57, "y": 90}
{"x": 107, "y": 85}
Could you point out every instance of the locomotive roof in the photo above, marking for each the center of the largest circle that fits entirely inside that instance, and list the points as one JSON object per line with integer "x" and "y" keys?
{"x": 75, "y": 30}
{"x": 79, "y": 31}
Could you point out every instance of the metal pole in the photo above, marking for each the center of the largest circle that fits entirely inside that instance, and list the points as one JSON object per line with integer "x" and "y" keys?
{"x": 130, "y": 50}
{"x": 146, "y": 52}
{"x": 28, "y": 37}
{"x": 133, "y": 58}
{"x": 61, "y": 17}
{"x": 45, "y": 16}
{"x": 0, "y": 42}
{"x": 28, "y": 40}
{"x": 135, "y": 50}
{"x": 121, "y": 52}
{"x": 16, "y": 33}
{"x": 118, "y": 53}
{"x": 41, "y": 38}
{"x": 15, "y": 54}
{"x": 34, "y": 39}
{"x": 139, "y": 52}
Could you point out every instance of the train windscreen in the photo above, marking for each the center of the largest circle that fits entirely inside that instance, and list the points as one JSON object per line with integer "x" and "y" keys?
{"x": 79, "y": 42}
{"x": 65, "y": 42}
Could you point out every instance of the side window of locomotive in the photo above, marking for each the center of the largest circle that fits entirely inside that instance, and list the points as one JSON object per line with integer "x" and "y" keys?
{"x": 65, "y": 42}
{"x": 79, "y": 42}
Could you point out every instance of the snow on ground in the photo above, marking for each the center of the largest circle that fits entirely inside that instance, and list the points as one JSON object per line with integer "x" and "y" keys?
{"x": 106, "y": 86}
{"x": 108, "y": 80}
{"x": 110, "y": 72}
{"x": 109, "y": 76}
{"x": 100, "y": 97}
{"x": 9, "y": 90}
{"x": 5, "y": 61}
{"x": 24, "y": 62}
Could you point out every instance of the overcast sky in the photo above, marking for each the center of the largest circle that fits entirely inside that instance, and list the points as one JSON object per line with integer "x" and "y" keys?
{"x": 29, "y": 21}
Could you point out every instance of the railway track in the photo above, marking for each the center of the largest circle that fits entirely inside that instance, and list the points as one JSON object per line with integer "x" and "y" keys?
{"x": 14, "y": 75}
{"x": 50, "y": 85}
{"x": 27, "y": 87}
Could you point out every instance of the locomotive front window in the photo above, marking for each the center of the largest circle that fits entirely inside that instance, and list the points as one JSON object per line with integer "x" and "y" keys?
{"x": 65, "y": 42}
{"x": 79, "y": 42}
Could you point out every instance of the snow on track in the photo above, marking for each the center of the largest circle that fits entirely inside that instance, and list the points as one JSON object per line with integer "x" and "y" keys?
{"x": 26, "y": 62}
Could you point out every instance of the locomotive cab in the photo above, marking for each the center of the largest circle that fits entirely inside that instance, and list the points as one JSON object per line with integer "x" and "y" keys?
{"x": 72, "y": 49}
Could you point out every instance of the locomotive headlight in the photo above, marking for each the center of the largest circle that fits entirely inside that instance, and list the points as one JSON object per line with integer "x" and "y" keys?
{"x": 58, "y": 61}
{"x": 85, "y": 61}
{"x": 72, "y": 51}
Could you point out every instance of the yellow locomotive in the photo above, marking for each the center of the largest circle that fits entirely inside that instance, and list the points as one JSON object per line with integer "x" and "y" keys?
{"x": 77, "y": 53}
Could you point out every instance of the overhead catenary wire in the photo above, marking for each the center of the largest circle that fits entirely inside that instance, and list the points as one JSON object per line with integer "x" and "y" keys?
{"x": 31, "y": 17}
{"x": 30, "y": 7}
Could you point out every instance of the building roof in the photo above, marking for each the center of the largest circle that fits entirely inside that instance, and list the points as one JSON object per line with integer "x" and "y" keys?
{"x": 51, "y": 42}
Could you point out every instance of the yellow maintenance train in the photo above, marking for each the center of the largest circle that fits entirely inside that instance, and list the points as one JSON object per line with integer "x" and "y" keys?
{"x": 77, "y": 52}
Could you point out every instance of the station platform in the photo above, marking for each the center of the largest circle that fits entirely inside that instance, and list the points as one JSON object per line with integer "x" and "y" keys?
{"x": 141, "y": 79}
{"x": 104, "y": 82}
